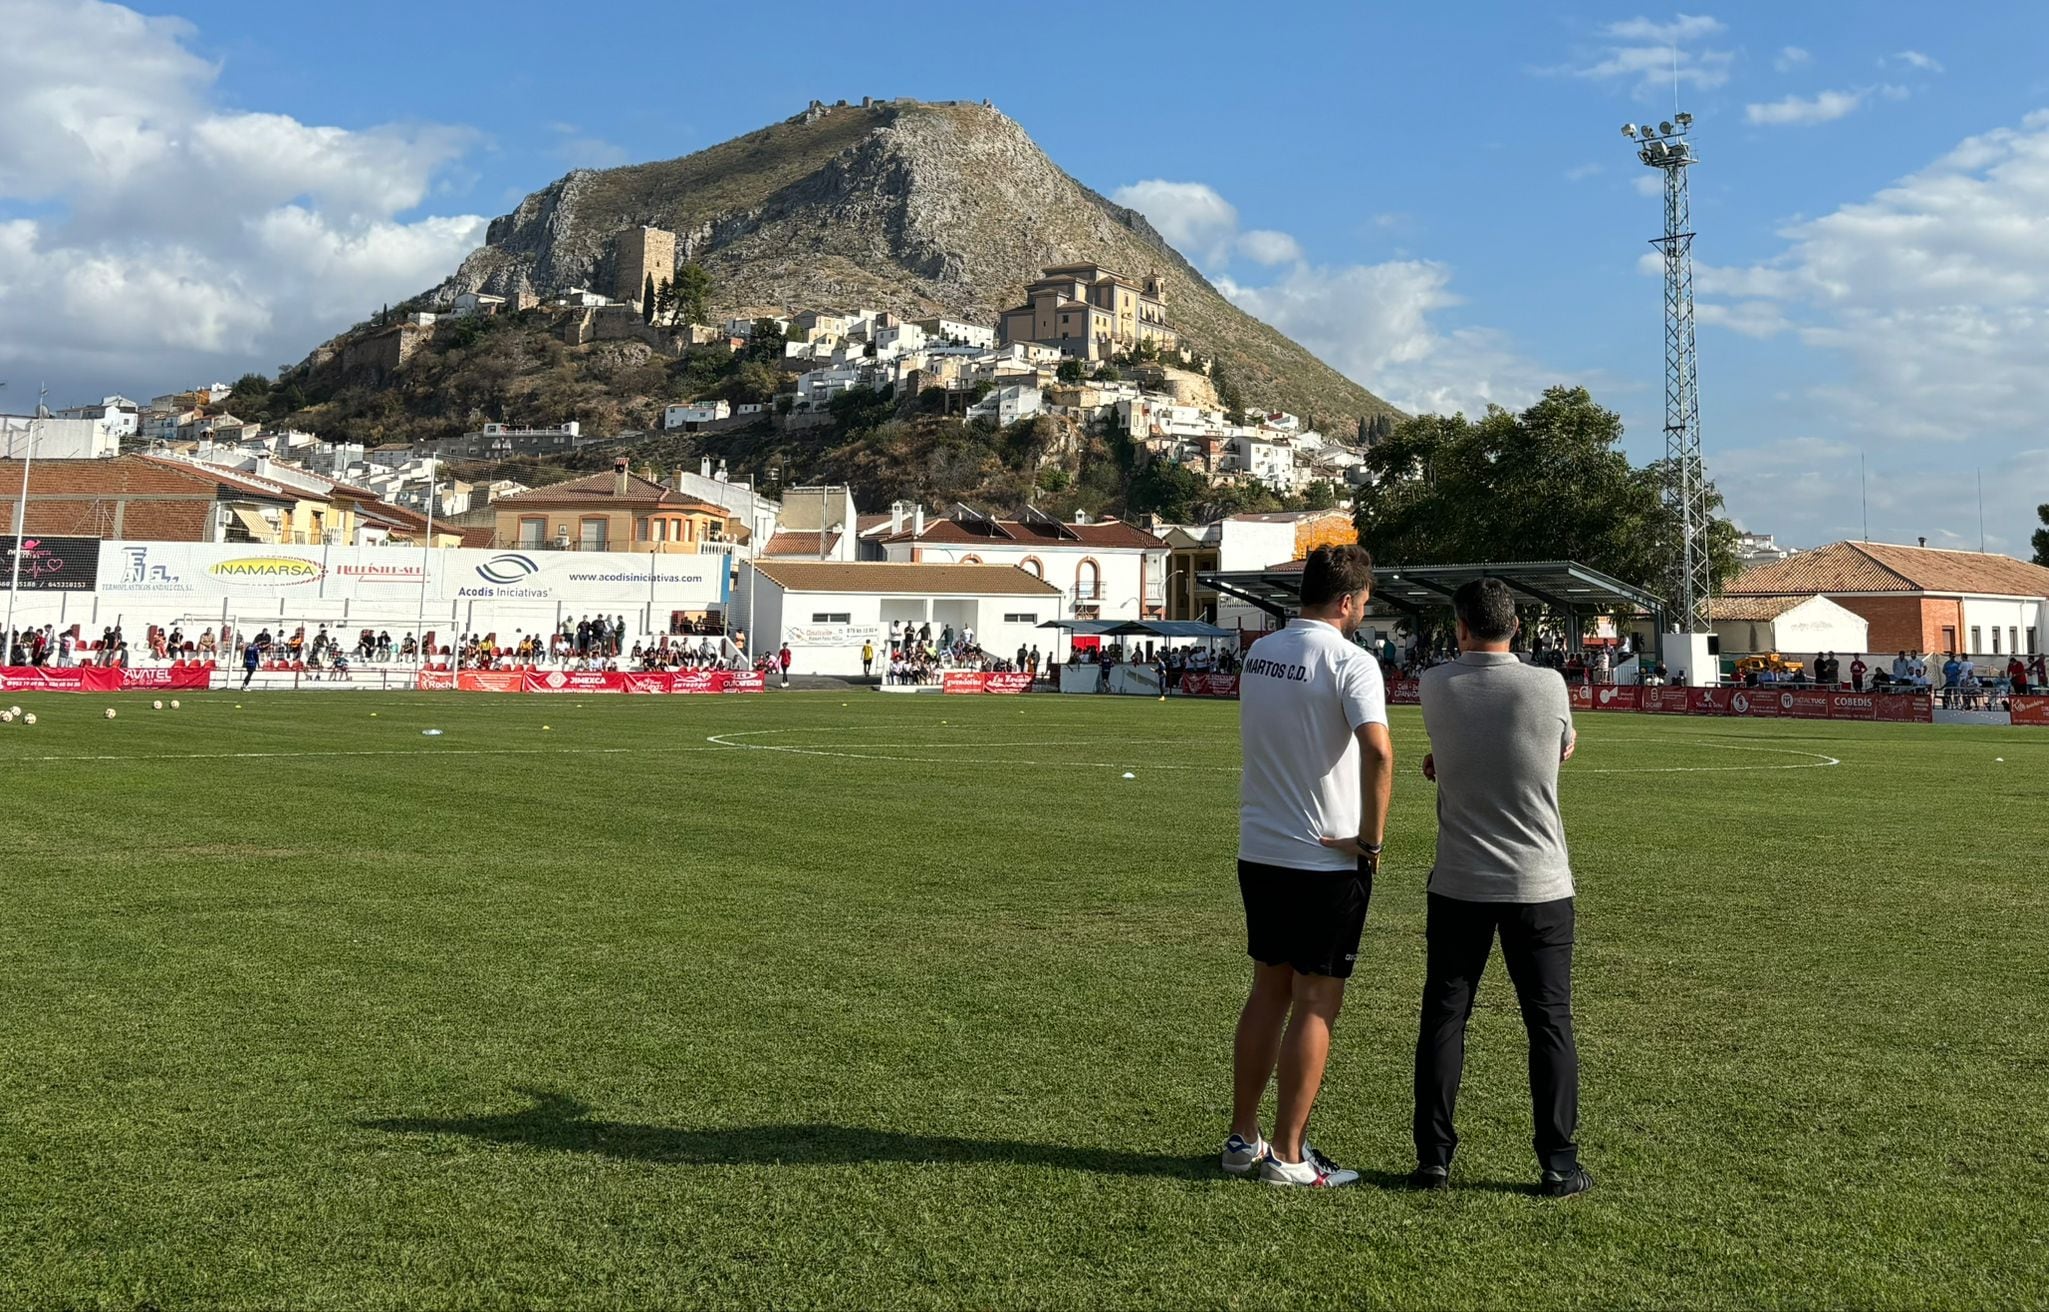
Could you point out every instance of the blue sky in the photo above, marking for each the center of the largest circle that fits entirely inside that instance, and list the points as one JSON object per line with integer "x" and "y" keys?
{"x": 1435, "y": 198}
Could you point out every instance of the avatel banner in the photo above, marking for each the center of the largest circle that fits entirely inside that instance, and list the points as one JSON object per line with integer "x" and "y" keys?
{"x": 101, "y": 678}
{"x": 2029, "y": 710}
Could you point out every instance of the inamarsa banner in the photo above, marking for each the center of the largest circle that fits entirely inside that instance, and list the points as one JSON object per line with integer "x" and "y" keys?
{"x": 200, "y": 569}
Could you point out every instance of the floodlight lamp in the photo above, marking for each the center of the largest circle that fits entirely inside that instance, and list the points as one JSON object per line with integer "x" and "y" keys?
{"x": 1646, "y": 130}
{"x": 1683, "y": 119}
{"x": 1629, "y": 129}
{"x": 1665, "y": 128}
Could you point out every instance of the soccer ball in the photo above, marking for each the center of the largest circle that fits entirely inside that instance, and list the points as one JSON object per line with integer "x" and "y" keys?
{"x": 6, "y": 717}
{"x": 156, "y": 706}
{"x": 14, "y": 710}
{"x": 30, "y": 718}
{"x": 110, "y": 712}
{"x": 174, "y": 703}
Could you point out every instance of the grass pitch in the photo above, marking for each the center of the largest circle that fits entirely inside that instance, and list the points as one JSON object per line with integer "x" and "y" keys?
{"x": 858, "y": 1000}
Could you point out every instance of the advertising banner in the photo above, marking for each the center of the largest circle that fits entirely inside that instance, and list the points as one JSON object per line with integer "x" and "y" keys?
{"x": 213, "y": 570}
{"x": 1606, "y": 697}
{"x": 965, "y": 681}
{"x": 1806, "y": 704}
{"x": 97, "y": 678}
{"x": 2029, "y": 710}
{"x": 51, "y": 564}
{"x": 1906, "y": 708}
{"x": 1853, "y": 706}
{"x": 1196, "y": 683}
{"x": 590, "y": 681}
{"x": 1405, "y": 692}
{"x": 1666, "y": 701}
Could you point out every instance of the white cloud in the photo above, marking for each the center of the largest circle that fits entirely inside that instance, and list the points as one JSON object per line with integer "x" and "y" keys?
{"x": 1193, "y": 218}
{"x": 1923, "y": 309}
{"x": 1790, "y": 58}
{"x": 581, "y": 150}
{"x": 1648, "y": 184}
{"x": 1655, "y": 54}
{"x": 1805, "y": 111}
{"x": 1581, "y": 172}
{"x": 1913, "y": 59}
{"x": 1265, "y": 246}
{"x": 172, "y": 238}
{"x": 1372, "y": 323}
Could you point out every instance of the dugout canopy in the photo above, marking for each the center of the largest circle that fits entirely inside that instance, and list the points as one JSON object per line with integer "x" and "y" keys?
{"x": 1574, "y": 590}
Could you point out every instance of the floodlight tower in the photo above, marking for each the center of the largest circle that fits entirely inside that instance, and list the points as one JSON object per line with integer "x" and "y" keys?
{"x": 1665, "y": 148}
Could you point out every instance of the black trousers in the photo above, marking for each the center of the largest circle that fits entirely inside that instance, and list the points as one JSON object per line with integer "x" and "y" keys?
{"x": 1536, "y": 941}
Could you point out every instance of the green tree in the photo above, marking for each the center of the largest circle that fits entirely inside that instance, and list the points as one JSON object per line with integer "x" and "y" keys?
{"x": 1550, "y": 483}
{"x": 765, "y": 341}
{"x": 250, "y": 389}
{"x": 1070, "y": 370}
{"x": 2041, "y": 538}
{"x": 693, "y": 293}
{"x": 1173, "y": 491}
{"x": 1320, "y": 495}
{"x": 1228, "y": 395}
{"x": 1109, "y": 373}
{"x": 647, "y": 300}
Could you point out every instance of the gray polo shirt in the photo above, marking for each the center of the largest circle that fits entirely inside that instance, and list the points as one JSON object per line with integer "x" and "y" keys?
{"x": 1496, "y": 728}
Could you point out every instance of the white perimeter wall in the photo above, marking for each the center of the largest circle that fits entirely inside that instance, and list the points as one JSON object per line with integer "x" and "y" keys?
{"x": 1129, "y": 576}
{"x": 826, "y": 646}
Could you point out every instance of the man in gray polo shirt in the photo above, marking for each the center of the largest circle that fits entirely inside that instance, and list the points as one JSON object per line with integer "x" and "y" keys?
{"x": 1498, "y": 731}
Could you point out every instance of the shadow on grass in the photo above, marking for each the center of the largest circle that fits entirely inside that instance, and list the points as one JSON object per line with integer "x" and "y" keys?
{"x": 561, "y": 1122}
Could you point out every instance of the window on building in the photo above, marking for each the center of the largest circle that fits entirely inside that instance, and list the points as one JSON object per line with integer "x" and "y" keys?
{"x": 2013, "y": 639}
{"x": 642, "y": 530}
{"x": 832, "y": 617}
{"x": 1020, "y": 617}
{"x": 1949, "y": 637}
{"x": 970, "y": 560}
{"x": 2032, "y": 648}
{"x": 1088, "y": 581}
{"x": 1034, "y": 568}
{"x": 1977, "y": 642}
{"x": 533, "y": 531}
{"x": 1995, "y": 640}
{"x": 591, "y": 534}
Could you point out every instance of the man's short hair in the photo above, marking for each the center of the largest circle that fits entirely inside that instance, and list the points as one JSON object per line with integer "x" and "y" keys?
{"x": 1487, "y": 609}
{"x": 1333, "y": 572}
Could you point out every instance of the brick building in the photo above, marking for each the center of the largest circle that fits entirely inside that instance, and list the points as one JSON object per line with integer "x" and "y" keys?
{"x": 619, "y": 511}
{"x": 1918, "y": 598}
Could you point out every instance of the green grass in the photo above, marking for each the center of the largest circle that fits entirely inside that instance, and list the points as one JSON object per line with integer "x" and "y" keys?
{"x": 612, "y": 1015}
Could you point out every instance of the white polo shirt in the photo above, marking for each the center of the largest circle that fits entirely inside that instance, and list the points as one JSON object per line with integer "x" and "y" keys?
{"x": 1302, "y": 695}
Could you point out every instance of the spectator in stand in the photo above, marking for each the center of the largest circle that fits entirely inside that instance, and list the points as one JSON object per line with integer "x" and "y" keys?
{"x": 1858, "y": 669}
{"x": 1952, "y": 679}
{"x": 1032, "y": 667}
{"x": 2016, "y": 675}
{"x": 896, "y": 637}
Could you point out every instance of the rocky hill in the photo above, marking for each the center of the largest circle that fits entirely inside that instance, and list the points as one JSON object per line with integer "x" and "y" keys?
{"x": 914, "y": 208}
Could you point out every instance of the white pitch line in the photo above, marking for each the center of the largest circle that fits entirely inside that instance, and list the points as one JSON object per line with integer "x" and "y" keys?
{"x": 414, "y": 751}
{"x": 1819, "y": 760}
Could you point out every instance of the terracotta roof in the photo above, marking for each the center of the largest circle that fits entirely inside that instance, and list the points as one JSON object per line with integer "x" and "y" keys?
{"x": 866, "y": 524}
{"x": 917, "y": 580}
{"x": 787, "y": 543}
{"x": 1884, "y": 567}
{"x": 1108, "y": 533}
{"x": 1754, "y": 609}
{"x": 232, "y": 480}
{"x": 482, "y": 535}
{"x": 599, "y": 487}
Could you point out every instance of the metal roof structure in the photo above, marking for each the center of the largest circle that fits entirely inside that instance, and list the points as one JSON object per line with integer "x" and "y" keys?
{"x": 1130, "y": 628}
{"x": 1563, "y": 585}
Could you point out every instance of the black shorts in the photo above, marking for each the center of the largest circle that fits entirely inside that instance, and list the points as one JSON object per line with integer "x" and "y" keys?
{"x": 1308, "y": 919}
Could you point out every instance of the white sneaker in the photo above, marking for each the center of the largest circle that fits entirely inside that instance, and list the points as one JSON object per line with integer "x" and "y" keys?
{"x": 1240, "y": 1157}
{"x": 1314, "y": 1171}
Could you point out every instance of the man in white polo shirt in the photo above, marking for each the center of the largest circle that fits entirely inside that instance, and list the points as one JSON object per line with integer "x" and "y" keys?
{"x": 1313, "y": 805}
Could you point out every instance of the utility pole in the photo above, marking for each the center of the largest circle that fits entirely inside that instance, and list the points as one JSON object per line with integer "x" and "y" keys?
{"x": 20, "y": 520}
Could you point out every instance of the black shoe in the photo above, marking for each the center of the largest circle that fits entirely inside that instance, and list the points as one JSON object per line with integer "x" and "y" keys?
{"x": 1433, "y": 1178}
{"x": 1564, "y": 1184}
